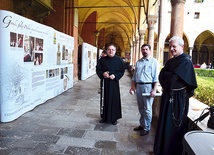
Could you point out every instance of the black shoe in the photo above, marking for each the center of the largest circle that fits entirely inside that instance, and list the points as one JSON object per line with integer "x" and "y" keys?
{"x": 139, "y": 128}
{"x": 114, "y": 123}
{"x": 102, "y": 121}
{"x": 143, "y": 133}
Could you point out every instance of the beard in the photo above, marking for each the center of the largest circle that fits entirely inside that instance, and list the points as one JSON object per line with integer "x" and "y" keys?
{"x": 145, "y": 54}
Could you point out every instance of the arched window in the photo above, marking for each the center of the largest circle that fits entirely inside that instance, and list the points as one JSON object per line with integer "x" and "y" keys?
{"x": 204, "y": 55}
{"x": 194, "y": 55}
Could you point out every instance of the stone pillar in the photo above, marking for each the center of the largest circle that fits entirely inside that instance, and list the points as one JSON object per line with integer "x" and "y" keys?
{"x": 141, "y": 41}
{"x": 151, "y": 20}
{"x": 177, "y": 16}
{"x": 133, "y": 54}
{"x": 70, "y": 27}
{"x": 96, "y": 38}
{"x": 198, "y": 56}
{"x": 69, "y": 14}
{"x": 190, "y": 51}
{"x": 137, "y": 51}
{"x": 161, "y": 39}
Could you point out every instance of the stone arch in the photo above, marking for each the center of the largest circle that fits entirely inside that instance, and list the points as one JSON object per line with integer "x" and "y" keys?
{"x": 89, "y": 29}
{"x": 203, "y": 50}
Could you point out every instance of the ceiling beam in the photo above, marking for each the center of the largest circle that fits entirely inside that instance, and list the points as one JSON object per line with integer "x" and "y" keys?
{"x": 97, "y": 7}
{"x": 115, "y": 31}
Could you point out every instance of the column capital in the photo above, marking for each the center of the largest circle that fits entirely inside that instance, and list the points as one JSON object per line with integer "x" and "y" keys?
{"x": 136, "y": 38}
{"x": 96, "y": 33}
{"x": 141, "y": 32}
{"x": 151, "y": 20}
{"x": 190, "y": 48}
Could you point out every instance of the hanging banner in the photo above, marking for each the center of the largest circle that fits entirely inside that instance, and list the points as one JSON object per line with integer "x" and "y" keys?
{"x": 36, "y": 64}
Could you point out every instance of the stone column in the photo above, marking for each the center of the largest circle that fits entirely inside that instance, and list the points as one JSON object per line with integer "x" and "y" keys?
{"x": 137, "y": 51}
{"x": 151, "y": 20}
{"x": 71, "y": 28}
{"x": 96, "y": 38}
{"x": 190, "y": 51}
{"x": 198, "y": 56}
{"x": 69, "y": 14}
{"x": 177, "y": 16}
{"x": 133, "y": 54}
{"x": 161, "y": 39}
{"x": 141, "y": 41}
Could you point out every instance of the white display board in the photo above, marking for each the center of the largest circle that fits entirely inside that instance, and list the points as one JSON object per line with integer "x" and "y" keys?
{"x": 36, "y": 64}
{"x": 89, "y": 61}
{"x": 100, "y": 52}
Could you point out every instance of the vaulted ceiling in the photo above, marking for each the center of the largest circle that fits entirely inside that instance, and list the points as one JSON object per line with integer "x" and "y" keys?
{"x": 121, "y": 19}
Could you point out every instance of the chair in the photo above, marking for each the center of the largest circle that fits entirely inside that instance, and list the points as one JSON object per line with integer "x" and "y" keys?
{"x": 198, "y": 142}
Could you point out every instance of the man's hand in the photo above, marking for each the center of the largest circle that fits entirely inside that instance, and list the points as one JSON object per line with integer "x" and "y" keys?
{"x": 132, "y": 91}
{"x": 106, "y": 74}
{"x": 112, "y": 76}
{"x": 153, "y": 93}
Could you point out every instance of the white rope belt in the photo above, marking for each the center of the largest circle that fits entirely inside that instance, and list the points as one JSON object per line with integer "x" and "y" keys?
{"x": 177, "y": 89}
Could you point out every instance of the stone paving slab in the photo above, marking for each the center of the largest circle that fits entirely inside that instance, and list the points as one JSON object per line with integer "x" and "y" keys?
{"x": 69, "y": 125}
{"x": 79, "y": 142}
{"x": 82, "y": 150}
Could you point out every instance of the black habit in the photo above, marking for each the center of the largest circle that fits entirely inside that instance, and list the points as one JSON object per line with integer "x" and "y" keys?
{"x": 178, "y": 81}
{"x": 112, "y": 102}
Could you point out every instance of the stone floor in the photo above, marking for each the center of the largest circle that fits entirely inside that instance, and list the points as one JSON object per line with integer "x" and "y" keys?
{"x": 69, "y": 125}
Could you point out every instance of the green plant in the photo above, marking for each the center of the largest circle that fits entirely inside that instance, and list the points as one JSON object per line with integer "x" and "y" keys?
{"x": 204, "y": 72}
{"x": 205, "y": 90}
